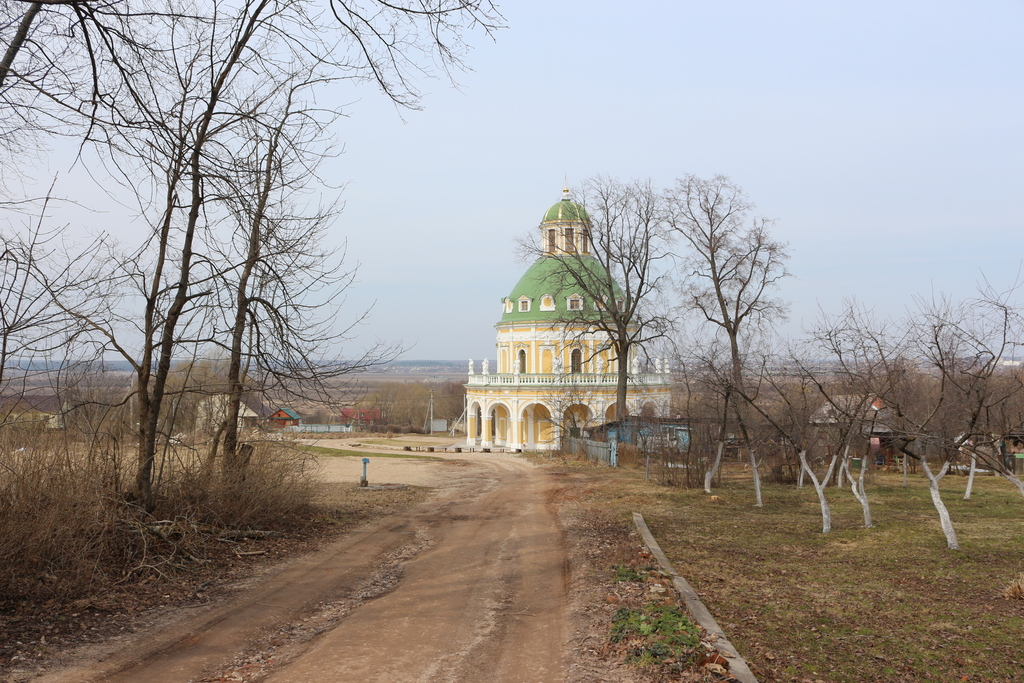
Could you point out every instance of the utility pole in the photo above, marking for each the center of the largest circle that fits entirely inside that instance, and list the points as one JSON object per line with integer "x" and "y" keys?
{"x": 430, "y": 415}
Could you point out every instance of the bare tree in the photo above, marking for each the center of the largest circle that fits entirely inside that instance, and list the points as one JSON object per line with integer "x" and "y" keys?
{"x": 25, "y": 315}
{"x": 282, "y": 329}
{"x": 35, "y": 335}
{"x": 192, "y": 116}
{"x": 968, "y": 344}
{"x": 962, "y": 343}
{"x": 856, "y": 352}
{"x": 788, "y": 399}
{"x": 730, "y": 266}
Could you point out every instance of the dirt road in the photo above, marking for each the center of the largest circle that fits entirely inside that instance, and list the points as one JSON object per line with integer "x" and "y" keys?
{"x": 469, "y": 586}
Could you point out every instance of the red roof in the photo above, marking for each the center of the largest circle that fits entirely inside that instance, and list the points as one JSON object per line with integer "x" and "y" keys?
{"x": 362, "y": 414}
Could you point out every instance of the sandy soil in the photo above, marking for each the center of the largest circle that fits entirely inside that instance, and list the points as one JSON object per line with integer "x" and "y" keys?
{"x": 411, "y": 471}
{"x": 469, "y": 586}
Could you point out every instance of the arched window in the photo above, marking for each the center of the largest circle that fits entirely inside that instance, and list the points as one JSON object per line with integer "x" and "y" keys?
{"x": 576, "y": 361}
{"x": 584, "y": 241}
{"x": 522, "y": 361}
{"x": 551, "y": 241}
{"x": 570, "y": 240}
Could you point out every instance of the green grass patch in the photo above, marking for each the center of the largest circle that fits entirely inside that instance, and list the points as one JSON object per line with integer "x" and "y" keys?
{"x": 890, "y": 603}
{"x": 343, "y": 453}
{"x": 623, "y": 572}
{"x": 655, "y": 635}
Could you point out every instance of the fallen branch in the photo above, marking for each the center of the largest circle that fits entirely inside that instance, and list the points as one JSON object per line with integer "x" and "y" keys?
{"x": 254, "y": 534}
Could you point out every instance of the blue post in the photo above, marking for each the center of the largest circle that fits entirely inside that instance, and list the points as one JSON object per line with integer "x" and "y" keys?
{"x": 363, "y": 482}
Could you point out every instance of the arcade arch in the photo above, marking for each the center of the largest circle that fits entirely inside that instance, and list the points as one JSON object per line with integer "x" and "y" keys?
{"x": 500, "y": 424}
{"x": 575, "y": 418}
{"x": 538, "y": 430}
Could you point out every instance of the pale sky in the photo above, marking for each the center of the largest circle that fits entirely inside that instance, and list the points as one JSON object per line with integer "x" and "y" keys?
{"x": 885, "y": 138}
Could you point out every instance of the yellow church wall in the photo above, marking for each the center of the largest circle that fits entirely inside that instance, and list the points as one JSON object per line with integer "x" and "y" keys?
{"x": 544, "y": 432}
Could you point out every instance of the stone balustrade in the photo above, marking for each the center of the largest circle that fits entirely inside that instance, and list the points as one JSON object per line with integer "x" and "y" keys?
{"x": 572, "y": 379}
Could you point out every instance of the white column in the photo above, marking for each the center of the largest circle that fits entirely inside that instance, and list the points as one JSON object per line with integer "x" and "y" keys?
{"x": 485, "y": 439}
{"x": 515, "y": 422}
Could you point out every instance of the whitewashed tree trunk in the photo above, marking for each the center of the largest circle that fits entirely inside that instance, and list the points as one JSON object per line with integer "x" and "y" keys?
{"x": 904, "y": 470}
{"x": 865, "y": 504}
{"x": 857, "y": 487}
{"x": 940, "y": 507}
{"x": 1013, "y": 479}
{"x": 710, "y": 474}
{"x": 819, "y": 488}
{"x": 757, "y": 478}
{"x": 800, "y": 476}
{"x": 842, "y": 469}
{"x": 970, "y": 478}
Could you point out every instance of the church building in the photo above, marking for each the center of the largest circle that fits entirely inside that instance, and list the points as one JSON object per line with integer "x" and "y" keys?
{"x": 554, "y": 376}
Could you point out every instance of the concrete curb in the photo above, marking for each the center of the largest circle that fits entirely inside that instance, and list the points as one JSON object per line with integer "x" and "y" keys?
{"x": 738, "y": 668}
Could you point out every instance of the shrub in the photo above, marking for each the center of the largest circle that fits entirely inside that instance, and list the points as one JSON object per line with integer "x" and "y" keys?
{"x": 1015, "y": 591}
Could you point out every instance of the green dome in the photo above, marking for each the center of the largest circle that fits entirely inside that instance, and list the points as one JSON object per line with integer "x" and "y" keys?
{"x": 566, "y": 210}
{"x": 547, "y": 277}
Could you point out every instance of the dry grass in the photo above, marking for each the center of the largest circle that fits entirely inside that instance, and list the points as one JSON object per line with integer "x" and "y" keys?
{"x": 884, "y": 604}
{"x": 67, "y": 526}
{"x": 68, "y": 581}
{"x": 1015, "y": 591}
